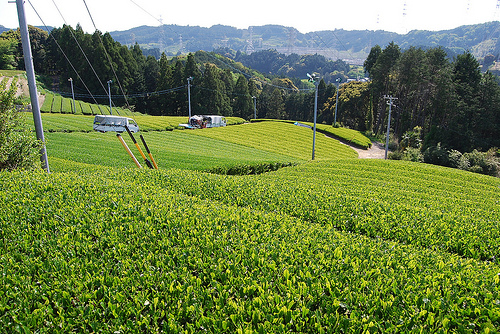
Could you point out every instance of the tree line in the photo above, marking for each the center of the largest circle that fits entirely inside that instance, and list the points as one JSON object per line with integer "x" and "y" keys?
{"x": 159, "y": 86}
{"x": 449, "y": 101}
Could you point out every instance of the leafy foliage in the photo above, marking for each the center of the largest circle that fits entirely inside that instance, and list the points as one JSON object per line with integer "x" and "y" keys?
{"x": 186, "y": 250}
{"x": 19, "y": 149}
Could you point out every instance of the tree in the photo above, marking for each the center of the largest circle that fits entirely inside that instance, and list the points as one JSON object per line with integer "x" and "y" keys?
{"x": 371, "y": 60}
{"x": 215, "y": 102}
{"x": 466, "y": 81}
{"x": 242, "y": 103}
{"x": 380, "y": 74}
{"x": 276, "y": 105}
{"x": 164, "y": 81}
{"x": 179, "y": 98}
{"x": 19, "y": 149}
{"x": 354, "y": 104}
{"x": 7, "y": 54}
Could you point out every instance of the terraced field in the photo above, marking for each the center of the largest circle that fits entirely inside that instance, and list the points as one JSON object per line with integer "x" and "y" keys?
{"x": 335, "y": 245}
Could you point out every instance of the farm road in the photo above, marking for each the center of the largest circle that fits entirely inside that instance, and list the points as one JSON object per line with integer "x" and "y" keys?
{"x": 377, "y": 151}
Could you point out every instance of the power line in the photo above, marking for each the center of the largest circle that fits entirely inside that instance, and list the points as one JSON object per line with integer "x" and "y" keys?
{"x": 107, "y": 55}
{"x": 79, "y": 46}
{"x": 64, "y": 54}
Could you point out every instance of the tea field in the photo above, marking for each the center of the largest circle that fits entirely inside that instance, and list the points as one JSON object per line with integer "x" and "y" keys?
{"x": 334, "y": 245}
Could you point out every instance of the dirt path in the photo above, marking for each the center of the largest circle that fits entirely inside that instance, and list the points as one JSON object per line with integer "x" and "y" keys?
{"x": 377, "y": 151}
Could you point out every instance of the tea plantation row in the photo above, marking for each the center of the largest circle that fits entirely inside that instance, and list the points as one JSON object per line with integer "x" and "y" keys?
{"x": 409, "y": 203}
{"x": 303, "y": 249}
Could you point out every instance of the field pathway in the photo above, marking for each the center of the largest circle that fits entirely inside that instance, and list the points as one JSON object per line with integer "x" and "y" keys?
{"x": 377, "y": 151}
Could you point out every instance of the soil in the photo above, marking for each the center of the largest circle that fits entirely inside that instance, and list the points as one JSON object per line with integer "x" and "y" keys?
{"x": 22, "y": 87}
{"x": 377, "y": 151}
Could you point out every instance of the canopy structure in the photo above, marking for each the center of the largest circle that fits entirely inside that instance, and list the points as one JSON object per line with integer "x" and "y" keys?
{"x": 205, "y": 121}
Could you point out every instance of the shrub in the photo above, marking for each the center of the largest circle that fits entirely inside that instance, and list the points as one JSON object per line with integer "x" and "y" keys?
{"x": 411, "y": 139}
{"x": 413, "y": 154}
{"x": 19, "y": 149}
{"x": 396, "y": 155}
{"x": 481, "y": 163}
{"x": 457, "y": 160}
{"x": 437, "y": 155}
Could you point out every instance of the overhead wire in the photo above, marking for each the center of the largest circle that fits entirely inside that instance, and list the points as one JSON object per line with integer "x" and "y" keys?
{"x": 108, "y": 57}
{"x": 134, "y": 95}
{"x": 80, "y": 47}
{"x": 64, "y": 54}
{"x": 212, "y": 56}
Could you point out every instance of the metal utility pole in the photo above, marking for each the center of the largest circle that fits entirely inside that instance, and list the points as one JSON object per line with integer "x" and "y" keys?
{"x": 339, "y": 80}
{"x": 73, "y": 94}
{"x": 254, "y": 107}
{"x": 109, "y": 93}
{"x": 189, "y": 95}
{"x": 390, "y": 103}
{"x": 313, "y": 79}
{"x": 30, "y": 73}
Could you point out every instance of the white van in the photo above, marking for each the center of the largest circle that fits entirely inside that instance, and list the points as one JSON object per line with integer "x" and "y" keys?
{"x": 105, "y": 123}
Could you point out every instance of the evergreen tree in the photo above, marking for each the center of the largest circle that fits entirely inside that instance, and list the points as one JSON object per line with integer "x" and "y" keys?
{"x": 164, "y": 83}
{"x": 179, "y": 98}
{"x": 242, "y": 103}
{"x": 214, "y": 101}
{"x": 276, "y": 105}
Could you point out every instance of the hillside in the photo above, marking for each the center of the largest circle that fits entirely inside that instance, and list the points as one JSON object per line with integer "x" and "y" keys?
{"x": 335, "y": 245}
{"x": 481, "y": 39}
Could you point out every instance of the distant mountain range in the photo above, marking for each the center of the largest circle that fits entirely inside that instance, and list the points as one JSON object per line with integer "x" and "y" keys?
{"x": 352, "y": 46}
{"x": 2, "y": 29}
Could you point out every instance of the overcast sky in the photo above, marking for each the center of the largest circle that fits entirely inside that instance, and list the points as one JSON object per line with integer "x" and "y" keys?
{"x": 391, "y": 15}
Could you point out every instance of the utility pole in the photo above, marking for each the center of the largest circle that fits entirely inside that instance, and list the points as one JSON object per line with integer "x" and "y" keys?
{"x": 73, "y": 94}
{"x": 189, "y": 95}
{"x": 390, "y": 103}
{"x": 109, "y": 93}
{"x": 313, "y": 79}
{"x": 339, "y": 80}
{"x": 30, "y": 73}
{"x": 254, "y": 98}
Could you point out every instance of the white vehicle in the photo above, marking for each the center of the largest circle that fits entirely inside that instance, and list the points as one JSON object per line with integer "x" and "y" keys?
{"x": 205, "y": 121}
{"x": 105, "y": 123}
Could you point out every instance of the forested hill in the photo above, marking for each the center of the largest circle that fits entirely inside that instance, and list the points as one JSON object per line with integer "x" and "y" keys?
{"x": 2, "y": 29}
{"x": 480, "y": 39}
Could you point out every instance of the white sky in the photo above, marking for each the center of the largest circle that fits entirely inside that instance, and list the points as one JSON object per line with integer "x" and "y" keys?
{"x": 391, "y": 15}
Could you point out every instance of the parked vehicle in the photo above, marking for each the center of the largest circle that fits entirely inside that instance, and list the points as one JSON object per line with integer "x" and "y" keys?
{"x": 205, "y": 121}
{"x": 105, "y": 123}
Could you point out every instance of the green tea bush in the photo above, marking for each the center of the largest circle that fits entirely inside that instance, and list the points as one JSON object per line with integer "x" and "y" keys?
{"x": 181, "y": 252}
